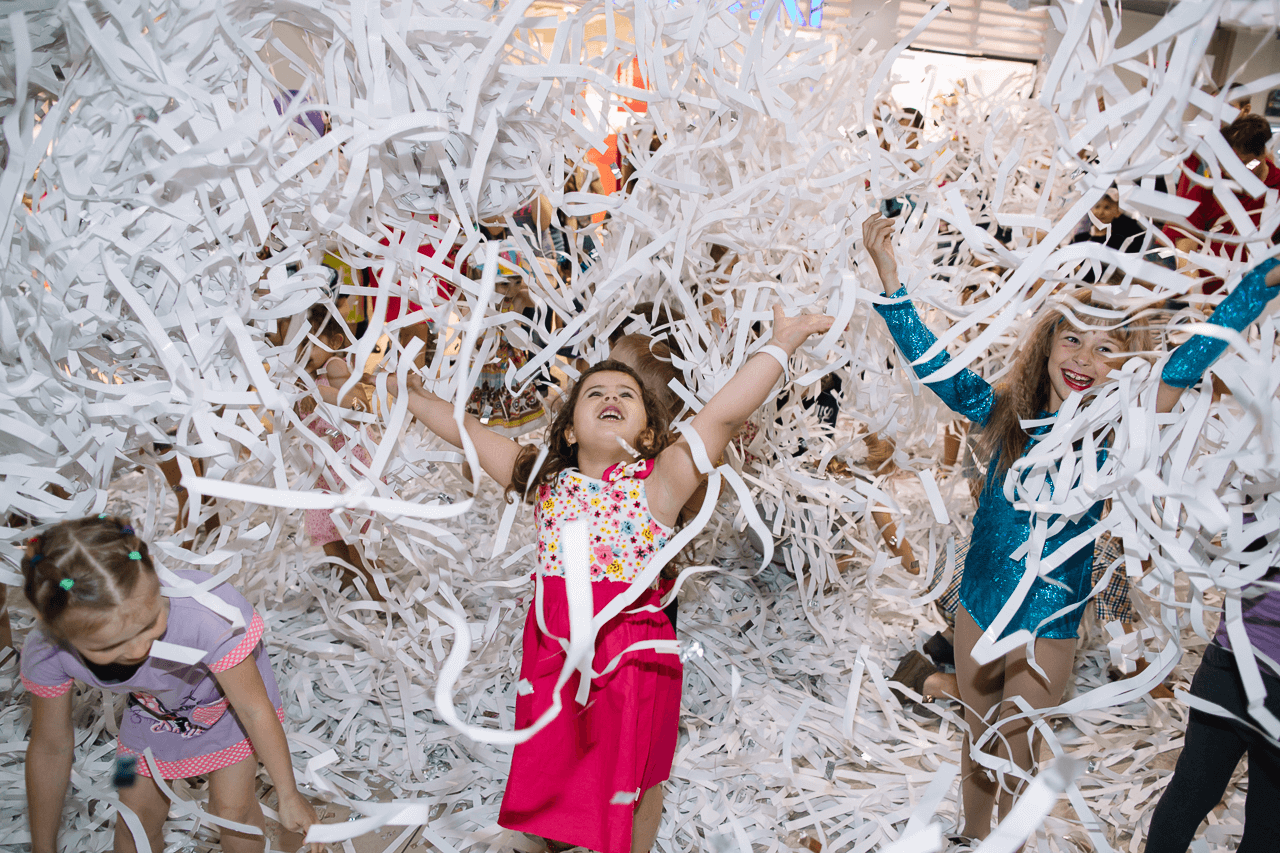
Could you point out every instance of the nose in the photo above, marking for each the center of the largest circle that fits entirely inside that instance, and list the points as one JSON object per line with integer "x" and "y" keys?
{"x": 139, "y": 647}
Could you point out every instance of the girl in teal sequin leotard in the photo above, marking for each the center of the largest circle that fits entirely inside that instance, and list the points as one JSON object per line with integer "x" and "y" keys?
{"x": 1061, "y": 357}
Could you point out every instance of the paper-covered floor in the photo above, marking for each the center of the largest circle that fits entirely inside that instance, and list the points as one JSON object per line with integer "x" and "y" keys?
{"x": 149, "y": 160}
{"x": 787, "y": 722}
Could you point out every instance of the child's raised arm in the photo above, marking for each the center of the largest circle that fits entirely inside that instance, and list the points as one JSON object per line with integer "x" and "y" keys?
{"x": 243, "y": 687}
{"x": 965, "y": 392}
{"x": 1237, "y": 311}
{"x": 49, "y": 755}
{"x": 675, "y": 475}
{"x": 497, "y": 453}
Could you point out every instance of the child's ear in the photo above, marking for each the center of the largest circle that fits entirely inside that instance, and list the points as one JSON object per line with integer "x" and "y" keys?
{"x": 569, "y": 438}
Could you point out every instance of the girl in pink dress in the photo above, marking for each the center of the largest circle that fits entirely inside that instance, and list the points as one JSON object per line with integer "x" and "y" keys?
{"x": 100, "y": 608}
{"x": 331, "y": 373}
{"x": 593, "y": 777}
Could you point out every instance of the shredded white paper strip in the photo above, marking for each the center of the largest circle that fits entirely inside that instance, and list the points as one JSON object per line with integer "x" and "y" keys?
{"x": 148, "y": 160}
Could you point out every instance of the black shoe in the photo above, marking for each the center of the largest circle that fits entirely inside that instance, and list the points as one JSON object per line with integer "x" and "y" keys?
{"x": 912, "y": 672}
{"x": 940, "y": 651}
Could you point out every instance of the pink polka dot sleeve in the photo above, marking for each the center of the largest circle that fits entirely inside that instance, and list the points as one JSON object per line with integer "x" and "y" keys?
{"x": 44, "y": 671}
{"x": 46, "y": 691}
{"x": 244, "y": 646}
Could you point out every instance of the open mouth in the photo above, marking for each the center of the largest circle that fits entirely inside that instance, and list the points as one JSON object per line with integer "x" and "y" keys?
{"x": 1076, "y": 381}
{"x": 610, "y": 413}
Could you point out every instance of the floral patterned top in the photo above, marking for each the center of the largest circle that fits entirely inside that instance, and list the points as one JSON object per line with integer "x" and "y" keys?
{"x": 624, "y": 535}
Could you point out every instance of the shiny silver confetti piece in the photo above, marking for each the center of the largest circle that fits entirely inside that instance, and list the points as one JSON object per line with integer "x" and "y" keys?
{"x": 145, "y": 113}
{"x": 689, "y": 649}
{"x": 722, "y": 842}
{"x": 802, "y": 840}
{"x": 831, "y": 770}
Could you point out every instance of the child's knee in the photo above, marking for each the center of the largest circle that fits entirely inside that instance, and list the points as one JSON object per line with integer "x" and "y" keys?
{"x": 242, "y": 807}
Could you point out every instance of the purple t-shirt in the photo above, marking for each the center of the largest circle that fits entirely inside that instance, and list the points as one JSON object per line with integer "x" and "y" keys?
{"x": 1261, "y": 624}
{"x": 178, "y": 710}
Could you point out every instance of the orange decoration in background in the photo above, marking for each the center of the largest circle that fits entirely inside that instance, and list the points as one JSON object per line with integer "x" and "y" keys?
{"x": 628, "y": 75}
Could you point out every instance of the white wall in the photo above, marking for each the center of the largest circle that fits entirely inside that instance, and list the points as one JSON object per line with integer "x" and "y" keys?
{"x": 1135, "y": 24}
{"x": 1265, "y": 62}
{"x": 876, "y": 19}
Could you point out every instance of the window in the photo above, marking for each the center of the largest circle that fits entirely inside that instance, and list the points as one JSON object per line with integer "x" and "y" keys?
{"x": 978, "y": 28}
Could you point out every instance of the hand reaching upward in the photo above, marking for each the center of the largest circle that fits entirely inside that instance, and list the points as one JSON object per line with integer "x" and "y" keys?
{"x": 877, "y": 237}
{"x": 790, "y": 332}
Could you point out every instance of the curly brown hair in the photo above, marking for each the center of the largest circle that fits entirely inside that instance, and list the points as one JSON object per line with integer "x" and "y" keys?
{"x": 83, "y": 563}
{"x": 562, "y": 455}
{"x": 1025, "y": 393}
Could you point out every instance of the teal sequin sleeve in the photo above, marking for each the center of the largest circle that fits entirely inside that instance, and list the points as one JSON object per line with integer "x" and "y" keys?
{"x": 966, "y": 393}
{"x": 1241, "y": 307}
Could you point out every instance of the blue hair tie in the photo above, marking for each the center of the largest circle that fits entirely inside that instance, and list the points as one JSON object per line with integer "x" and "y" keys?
{"x": 35, "y": 558}
{"x": 127, "y": 530}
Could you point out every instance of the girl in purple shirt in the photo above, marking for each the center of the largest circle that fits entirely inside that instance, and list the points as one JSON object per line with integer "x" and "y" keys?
{"x": 101, "y": 610}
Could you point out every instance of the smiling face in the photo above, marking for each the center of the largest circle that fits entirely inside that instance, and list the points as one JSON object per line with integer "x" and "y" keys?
{"x": 1079, "y": 360}
{"x": 122, "y": 634}
{"x": 609, "y": 406}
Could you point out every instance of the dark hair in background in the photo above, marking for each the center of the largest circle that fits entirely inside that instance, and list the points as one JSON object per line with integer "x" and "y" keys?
{"x": 93, "y": 554}
{"x": 1025, "y": 394}
{"x": 651, "y": 359}
{"x": 322, "y": 321}
{"x": 1250, "y": 133}
{"x": 561, "y": 455}
{"x": 660, "y": 319}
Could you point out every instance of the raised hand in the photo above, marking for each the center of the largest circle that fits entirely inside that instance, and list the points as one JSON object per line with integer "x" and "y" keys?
{"x": 790, "y": 332}
{"x": 877, "y": 237}
{"x": 413, "y": 386}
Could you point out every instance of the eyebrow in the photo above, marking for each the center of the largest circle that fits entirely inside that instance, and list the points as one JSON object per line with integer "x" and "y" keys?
{"x": 599, "y": 385}
{"x": 148, "y": 627}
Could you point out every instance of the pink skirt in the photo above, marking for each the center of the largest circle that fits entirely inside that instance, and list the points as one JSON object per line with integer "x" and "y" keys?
{"x": 580, "y": 779}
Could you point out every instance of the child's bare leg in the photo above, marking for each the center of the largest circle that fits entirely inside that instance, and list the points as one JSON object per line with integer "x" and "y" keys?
{"x": 6, "y": 630}
{"x": 644, "y": 827}
{"x": 1057, "y": 658}
{"x": 1160, "y": 691}
{"x": 952, "y": 441}
{"x": 144, "y": 799}
{"x": 173, "y": 476}
{"x": 899, "y": 545}
{"x": 233, "y": 795}
{"x": 981, "y": 688}
{"x": 351, "y": 553}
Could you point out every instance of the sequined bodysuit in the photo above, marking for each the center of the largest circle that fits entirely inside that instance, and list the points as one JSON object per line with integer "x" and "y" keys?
{"x": 991, "y": 574}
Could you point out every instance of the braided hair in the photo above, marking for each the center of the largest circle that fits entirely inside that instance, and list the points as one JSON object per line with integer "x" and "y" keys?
{"x": 93, "y": 563}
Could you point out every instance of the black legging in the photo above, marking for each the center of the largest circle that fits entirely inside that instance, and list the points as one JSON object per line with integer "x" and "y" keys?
{"x": 1213, "y": 748}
